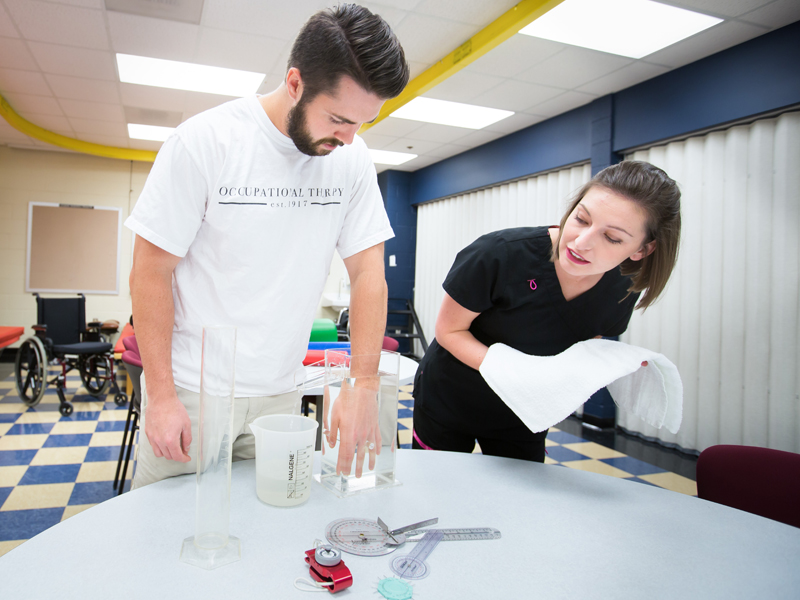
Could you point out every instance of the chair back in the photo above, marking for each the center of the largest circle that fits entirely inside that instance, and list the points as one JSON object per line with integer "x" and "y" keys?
{"x": 133, "y": 364}
{"x": 65, "y": 318}
{"x": 761, "y": 481}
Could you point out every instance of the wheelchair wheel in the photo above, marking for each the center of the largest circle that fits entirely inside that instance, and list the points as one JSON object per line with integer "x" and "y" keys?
{"x": 31, "y": 371}
{"x": 66, "y": 409}
{"x": 121, "y": 399}
{"x": 95, "y": 373}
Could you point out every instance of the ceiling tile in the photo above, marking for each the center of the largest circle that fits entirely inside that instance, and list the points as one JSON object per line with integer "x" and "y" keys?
{"x": 148, "y": 116}
{"x": 480, "y": 137}
{"x": 156, "y": 38}
{"x": 414, "y": 164}
{"x": 93, "y": 110}
{"x": 99, "y": 127}
{"x": 14, "y": 54}
{"x": 53, "y": 123}
{"x": 514, "y": 123}
{"x": 516, "y": 95}
{"x": 446, "y": 151}
{"x": 197, "y": 102}
{"x": 713, "y": 40}
{"x": 78, "y": 88}
{"x": 9, "y": 135}
{"x": 625, "y": 77}
{"x": 573, "y": 67}
{"x": 283, "y": 19}
{"x": 23, "y": 82}
{"x": 145, "y": 96}
{"x": 243, "y": 51}
{"x": 393, "y": 15}
{"x": 59, "y": 24}
{"x": 376, "y": 141}
{"x": 7, "y": 28}
{"x": 775, "y": 14}
{"x": 416, "y": 68}
{"x": 418, "y": 147}
{"x": 78, "y": 62}
{"x": 99, "y": 4}
{"x": 37, "y": 105}
{"x": 394, "y": 127}
{"x": 115, "y": 141}
{"x": 517, "y": 54}
{"x": 425, "y": 37}
{"x": 471, "y": 12}
{"x": 443, "y": 134}
{"x": 718, "y": 8}
{"x": 464, "y": 86}
{"x": 563, "y": 103}
{"x": 270, "y": 83}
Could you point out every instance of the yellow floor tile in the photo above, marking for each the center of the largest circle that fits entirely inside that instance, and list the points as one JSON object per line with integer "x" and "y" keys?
{"x": 68, "y": 427}
{"x": 407, "y": 388}
{"x": 39, "y": 417}
{"x": 88, "y": 406}
{"x": 7, "y": 385}
{"x": 672, "y": 481}
{"x": 595, "y": 466}
{"x": 8, "y": 408}
{"x": 99, "y": 471}
{"x": 70, "y": 455}
{"x": 106, "y": 438}
{"x": 477, "y": 449}
{"x": 404, "y": 396}
{"x": 550, "y": 461}
{"x": 6, "y": 547}
{"x": 71, "y": 511}
{"x": 23, "y": 442}
{"x": 49, "y": 495}
{"x": 50, "y": 399}
{"x": 4, "y": 427}
{"x": 593, "y": 450}
{"x": 548, "y": 442}
{"x": 113, "y": 415}
{"x": 10, "y": 476}
{"x": 405, "y": 436}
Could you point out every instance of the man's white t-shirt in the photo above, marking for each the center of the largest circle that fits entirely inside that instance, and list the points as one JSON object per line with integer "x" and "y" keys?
{"x": 256, "y": 223}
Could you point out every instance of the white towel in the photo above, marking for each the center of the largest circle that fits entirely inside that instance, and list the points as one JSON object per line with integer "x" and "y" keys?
{"x": 545, "y": 390}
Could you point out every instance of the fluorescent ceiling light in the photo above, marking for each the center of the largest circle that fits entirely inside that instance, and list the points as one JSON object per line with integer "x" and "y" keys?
{"x": 455, "y": 114}
{"x": 187, "y": 76}
{"x": 384, "y": 157}
{"x": 149, "y": 132}
{"x": 633, "y": 28}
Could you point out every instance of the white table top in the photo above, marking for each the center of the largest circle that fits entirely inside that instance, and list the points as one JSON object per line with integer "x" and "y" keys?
{"x": 565, "y": 534}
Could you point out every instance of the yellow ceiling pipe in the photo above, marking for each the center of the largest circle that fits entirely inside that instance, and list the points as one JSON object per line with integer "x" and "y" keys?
{"x": 36, "y": 132}
{"x": 491, "y": 36}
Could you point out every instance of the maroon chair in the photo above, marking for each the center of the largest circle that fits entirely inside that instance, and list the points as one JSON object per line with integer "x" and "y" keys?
{"x": 761, "y": 481}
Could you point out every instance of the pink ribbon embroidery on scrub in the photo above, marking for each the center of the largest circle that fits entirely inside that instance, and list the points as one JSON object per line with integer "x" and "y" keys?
{"x": 532, "y": 283}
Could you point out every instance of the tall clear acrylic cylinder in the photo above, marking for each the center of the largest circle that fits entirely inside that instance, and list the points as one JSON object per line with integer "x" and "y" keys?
{"x": 376, "y": 376}
{"x": 212, "y": 545}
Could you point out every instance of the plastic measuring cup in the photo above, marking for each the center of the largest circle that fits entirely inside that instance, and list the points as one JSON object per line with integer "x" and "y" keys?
{"x": 284, "y": 458}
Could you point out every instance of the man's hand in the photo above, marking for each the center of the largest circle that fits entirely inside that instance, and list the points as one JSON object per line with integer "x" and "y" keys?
{"x": 169, "y": 429}
{"x": 354, "y": 421}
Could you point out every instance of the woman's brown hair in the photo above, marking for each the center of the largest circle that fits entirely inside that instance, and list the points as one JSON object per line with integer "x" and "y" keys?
{"x": 658, "y": 195}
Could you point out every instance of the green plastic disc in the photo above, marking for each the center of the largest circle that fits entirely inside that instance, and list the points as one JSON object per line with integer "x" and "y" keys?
{"x": 392, "y": 588}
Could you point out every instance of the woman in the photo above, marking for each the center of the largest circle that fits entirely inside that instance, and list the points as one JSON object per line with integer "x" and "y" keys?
{"x": 540, "y": 290}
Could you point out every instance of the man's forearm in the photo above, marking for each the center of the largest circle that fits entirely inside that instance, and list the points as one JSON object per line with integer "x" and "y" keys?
{"x": 154, "y": 316}
{"x": 368, "y": 300}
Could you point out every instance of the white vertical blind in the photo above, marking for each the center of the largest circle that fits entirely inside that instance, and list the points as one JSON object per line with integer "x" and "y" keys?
{"x": 729, "y": 318}
{"x": 445, "y": 227}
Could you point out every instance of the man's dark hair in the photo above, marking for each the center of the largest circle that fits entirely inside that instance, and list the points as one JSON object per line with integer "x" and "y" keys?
{"x": 349, "y": 40}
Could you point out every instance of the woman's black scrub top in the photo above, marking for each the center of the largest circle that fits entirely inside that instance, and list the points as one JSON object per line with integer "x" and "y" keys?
{"x": 507, "y": 276}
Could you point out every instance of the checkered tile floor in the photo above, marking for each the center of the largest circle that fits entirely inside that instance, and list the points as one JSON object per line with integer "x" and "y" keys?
{"x": 53, "y": 467}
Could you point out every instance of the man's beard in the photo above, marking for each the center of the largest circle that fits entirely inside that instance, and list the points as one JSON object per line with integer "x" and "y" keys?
{"x": 298, "y": 131}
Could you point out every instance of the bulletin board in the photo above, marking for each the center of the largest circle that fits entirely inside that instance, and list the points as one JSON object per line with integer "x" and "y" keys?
{"x": 73, "y": 248}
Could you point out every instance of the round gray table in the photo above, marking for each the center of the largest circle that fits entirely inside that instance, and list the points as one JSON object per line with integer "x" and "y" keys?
{"x": 565, "y": 534}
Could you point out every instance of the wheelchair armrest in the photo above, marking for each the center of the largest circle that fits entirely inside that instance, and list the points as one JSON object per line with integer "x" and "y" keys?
{"x": 40, "y": 331}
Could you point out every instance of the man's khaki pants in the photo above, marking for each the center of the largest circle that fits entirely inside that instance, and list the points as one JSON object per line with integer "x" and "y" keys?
{"x": 150, "y": 469}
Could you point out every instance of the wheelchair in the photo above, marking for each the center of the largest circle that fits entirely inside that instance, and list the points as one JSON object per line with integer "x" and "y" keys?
{"x": 63, "y": 339}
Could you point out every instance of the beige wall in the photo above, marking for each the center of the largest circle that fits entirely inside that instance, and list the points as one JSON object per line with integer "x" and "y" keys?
{"x": 42, "y": 176}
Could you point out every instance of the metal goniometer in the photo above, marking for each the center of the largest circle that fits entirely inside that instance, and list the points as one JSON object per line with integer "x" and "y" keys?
{"x": 359, "y": 536}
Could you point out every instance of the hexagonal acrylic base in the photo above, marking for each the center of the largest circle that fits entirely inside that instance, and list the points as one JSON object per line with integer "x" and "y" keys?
{"x": 211, "y": 558}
